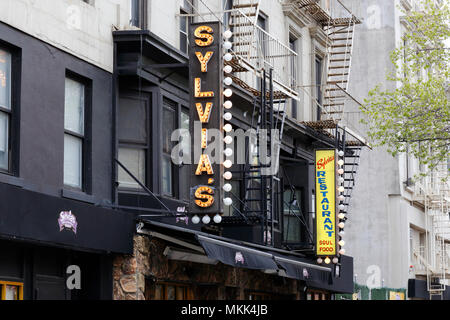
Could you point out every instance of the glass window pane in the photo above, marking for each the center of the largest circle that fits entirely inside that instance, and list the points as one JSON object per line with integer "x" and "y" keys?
{"x": 74, "y": 106}
{"x": 158, "y": 292}
{"x": 167, "y": 175}
{"x": 73, "y": 159}
{"x": 132, "y": 120}
{"x": 168, "y": 127}
{"x": 4, "y": 143}
{"x": 170, "y": 293}
{"x": 185, "y": 142}
{"x": 5, "y": 79}
{"x": 134, "y": 161}
{"x": 12, "y": 293}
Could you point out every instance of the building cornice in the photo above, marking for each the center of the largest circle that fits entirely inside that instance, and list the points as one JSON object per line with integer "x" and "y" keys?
{"x": 297, "y": 15}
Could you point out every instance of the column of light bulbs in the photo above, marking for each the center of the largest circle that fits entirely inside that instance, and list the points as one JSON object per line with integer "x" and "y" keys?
{"x": 228, "y": 152}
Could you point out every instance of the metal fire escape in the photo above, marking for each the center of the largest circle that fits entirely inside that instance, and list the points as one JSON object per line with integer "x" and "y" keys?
{"x": 433, "y": 191}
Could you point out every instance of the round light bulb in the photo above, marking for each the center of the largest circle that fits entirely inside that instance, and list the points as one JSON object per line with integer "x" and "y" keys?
{"x": 228, "y": 69}
{"x": 341, "y": 216}
{"x": 227, "y": 175}
{"x": 341, "y": 189}
{"x": 227, "y": 201}
{"x": 342, "y": 243}
{"x": 228, "y": 139}
{"x": 341, "y": 207}
{"x": 227, "y": 187}
{"x": 341, "y": 180}
{"x": 228, "y": 81}
{"x": 335, "y": 260}
{"x": 228, "y": 104}
{"x": 341, "y": 162}
{"x": 342, "y": 233}
{"x": 227, "y": 34}
{"x": 341, "y": 171}
{"x": 342, "y": 251}
{"x": 206, "y": 219}
{"x": 341, "y": 225}
{"x": 341, "y": 153}
{"x": 228, "y": 93}
{"x": 227, "y": 57}
{"x": 195, "y": 219}
{"x": 227, "y": 116}
{"x": 319, "y": 260}
{"x": 227, "y": 127}
{"x": 341, "y": 198}
{"x": 227, "y": 164}
{"x": 217, "y": 218}
{"x": 228, "y": 152}
{"x": 227, "y": 45}
{"x": 327, "y": 260}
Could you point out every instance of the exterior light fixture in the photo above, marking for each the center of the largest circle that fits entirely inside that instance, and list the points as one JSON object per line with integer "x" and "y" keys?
{"x": 341, "y": 233}
{"x": 227, "y": 164}
{"x": 342, "y": 251}
{"x": 217, "y": 218}
{"x": 341, "y": 153}
{"x": 341, "y": 189}
{"x": 341, "y": 207}
{"x": 228, "y": 104}
{"x": 228, "y": 139}
{"x": 227, "y": 175}
{"x": 228, "y": 81}
{"x": 228, "y": 69}
{"x": 341, "y": 225}
{"x": 341, "y": 179}
{"x": 206, "y": 219}
{"x": 227, "y": 57}
{"x": 335, "y": 260}
{"x": 227, "y": 34}
{"x": 342, "y": 243}
{"x": 228, "y": 93}
{"x": 341, "y": 162}
{"x": 227, "y": 187}
{"x": 227, "y": 116}
{"x": 195, "y": 219}
{"x": 340, "y": 171}
{"x": 327, "y": 260}
{"x": 228, "y": 152}
{"x": 227, "y": 201}
{"x": 227, "y": 45}
{"x": 227, "y": 127}
{"x": 341, "y": 216}
{"x": 319, "y": 260}
{"x": 341, "y": 198}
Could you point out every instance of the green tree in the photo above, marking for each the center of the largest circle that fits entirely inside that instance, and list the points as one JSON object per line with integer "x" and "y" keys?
{"x": 415, "y": 115}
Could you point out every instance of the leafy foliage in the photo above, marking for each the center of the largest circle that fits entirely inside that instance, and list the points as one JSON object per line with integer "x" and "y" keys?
{"x": 414, "y": 116}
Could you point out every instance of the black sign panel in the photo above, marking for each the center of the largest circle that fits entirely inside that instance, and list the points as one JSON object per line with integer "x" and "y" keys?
{"x": 206, "y": 117}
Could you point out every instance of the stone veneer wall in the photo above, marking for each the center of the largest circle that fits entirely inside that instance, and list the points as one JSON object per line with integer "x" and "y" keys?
{"x": 208, "y": 281}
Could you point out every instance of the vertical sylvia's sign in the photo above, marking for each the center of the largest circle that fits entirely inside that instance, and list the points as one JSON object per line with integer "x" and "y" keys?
{"x": 325, "y": 202}
{"x": 206, "y": 117}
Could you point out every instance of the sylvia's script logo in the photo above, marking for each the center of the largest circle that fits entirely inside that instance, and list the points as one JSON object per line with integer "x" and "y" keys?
{"x": 321, "y": 163}
{"x": 67, "y": 221}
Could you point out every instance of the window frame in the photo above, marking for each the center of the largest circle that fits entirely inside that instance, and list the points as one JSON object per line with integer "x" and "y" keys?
{"x": 188, "y": 290}
{"x": 3, "y": 285}
{"x": 129, "y": 144}
{"x": 13, "y": 112}
{"x": 318, "y": 74}
{"x": 86, "y": 137}
{"x": 185, "y": 10}
{"x": 176, "y": 109}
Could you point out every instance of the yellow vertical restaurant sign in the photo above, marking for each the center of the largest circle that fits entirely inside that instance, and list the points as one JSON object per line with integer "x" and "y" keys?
{"x": 325, "y": 202}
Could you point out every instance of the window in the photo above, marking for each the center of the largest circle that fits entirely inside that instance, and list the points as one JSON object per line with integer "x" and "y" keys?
{"x": 318, "y": 295}
{"x": 11, "y": 290}
{"x": 185, "y": 170}
{"x": 169, "y": 121}
{"x": 318, "y": 65}
{"x": 74, "y": 133}
{"x": 5, "y": 110}
{"x": 186, "y": 8}
{"x": 138, "y": 13}
{"x": 133, "y": 141}
{"x": 291, "y": 214}
{"x": 169, "y": 291}
{"x": 293, "y": 73}
{"x": 227, "y": 5}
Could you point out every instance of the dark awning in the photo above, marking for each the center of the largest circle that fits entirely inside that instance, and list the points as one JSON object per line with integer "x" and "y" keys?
{"x": 236, "y": 255}
{"x": 302, "y": 270}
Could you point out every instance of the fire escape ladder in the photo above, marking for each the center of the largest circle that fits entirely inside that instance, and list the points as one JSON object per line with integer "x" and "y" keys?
{"x": 339, "y": 53}
{"x": 351, "y": 163}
